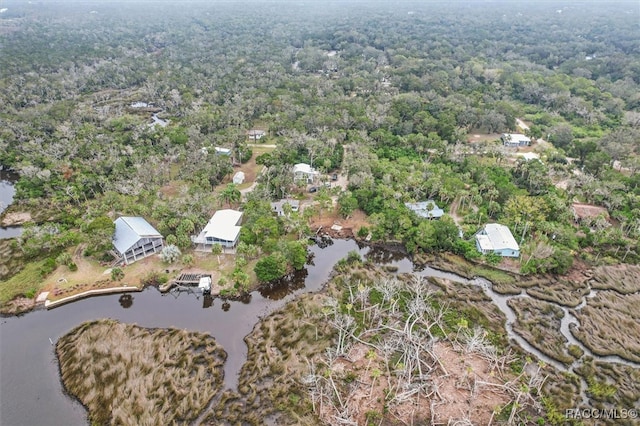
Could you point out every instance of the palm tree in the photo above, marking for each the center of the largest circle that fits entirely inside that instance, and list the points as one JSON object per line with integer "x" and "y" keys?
{"x": 230, "y": 195}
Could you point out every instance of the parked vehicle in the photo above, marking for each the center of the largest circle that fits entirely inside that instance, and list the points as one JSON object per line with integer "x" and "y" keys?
{"x": 313, "y": 189}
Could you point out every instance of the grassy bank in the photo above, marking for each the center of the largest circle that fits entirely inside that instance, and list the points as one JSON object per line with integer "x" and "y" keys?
{"x": 28, "y": 282}
{"x": 124, "y": 374}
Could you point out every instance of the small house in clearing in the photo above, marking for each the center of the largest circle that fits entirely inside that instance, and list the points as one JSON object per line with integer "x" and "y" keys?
{"x": 135, "y": 239}
{"x": 256, "y": 135}
{"x": 515, "y": 139}
{"x": 496, "y": 238}
{"x": 222, "y": 151}
{"x": 238, "y": 178}
{"x": 304, "y": 173}
{"x": 278, "y": 206}
{"x": 426, "y": 209}
{"x": 223, "y": 228}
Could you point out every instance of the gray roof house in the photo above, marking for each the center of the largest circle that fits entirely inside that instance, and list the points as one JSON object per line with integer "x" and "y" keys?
{"x": 223, "y": 228}
{"x": 135, "y": 239}
{"x": 427, "y": 209}
{"x": 496, "y": 238}
{"x": 277, "y": 206}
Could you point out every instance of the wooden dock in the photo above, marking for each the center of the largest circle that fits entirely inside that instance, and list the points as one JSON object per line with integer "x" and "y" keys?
{"x": 184, "y": 280}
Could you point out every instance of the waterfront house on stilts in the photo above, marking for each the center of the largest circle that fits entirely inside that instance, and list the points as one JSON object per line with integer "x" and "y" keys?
{"x": 135, "y": 239}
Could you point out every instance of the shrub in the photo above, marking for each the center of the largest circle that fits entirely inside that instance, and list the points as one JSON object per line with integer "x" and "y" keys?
{"x": 363, "y": 232}
{"x": 170, "y": 254}
{"x": 187, "y": 260}
{"x": 117, "y": 274}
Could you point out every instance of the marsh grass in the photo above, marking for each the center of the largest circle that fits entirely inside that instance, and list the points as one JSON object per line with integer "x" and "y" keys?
{"x": 610, "y": 325}
{"x": 538, "y": 322}
{"x": 624, "y": 279}
{"x": 125, "y": 374}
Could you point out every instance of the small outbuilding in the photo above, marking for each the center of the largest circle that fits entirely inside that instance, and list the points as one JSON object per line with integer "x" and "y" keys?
{"x": 223, "y": 228}
{"x": 238, "y": 178}
{"x": 222, "y": 151}
{"x": 426, "y": 209}
{"x": 135, "y": 239}
{"x": 496, "y": 238}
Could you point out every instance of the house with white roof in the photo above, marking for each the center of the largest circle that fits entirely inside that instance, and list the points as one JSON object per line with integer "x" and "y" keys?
{"x": 304, "y": 173}
{"x": 135, "y": 239}
{"x": 515, "y": 139}
{"x": 496, "y": 238}
{"x": 222, "y": 151}
{"x": 223, "y": 228}
{"x": 426, "y": 209}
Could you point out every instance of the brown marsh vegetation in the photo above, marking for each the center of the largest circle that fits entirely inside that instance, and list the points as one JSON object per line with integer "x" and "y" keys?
{"x": 125, "y": 374}
{"x": 378, "y": 349}
{"x": 538, "y": 322}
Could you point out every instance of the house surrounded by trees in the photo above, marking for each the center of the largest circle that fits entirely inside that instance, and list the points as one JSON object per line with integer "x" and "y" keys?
{"x": 515, "y": 139}
{"x": 223, "y": 228}
{"x": 496, "y": 238}
{"x": 303, "y": 172}
{"x": 426, "y": 209}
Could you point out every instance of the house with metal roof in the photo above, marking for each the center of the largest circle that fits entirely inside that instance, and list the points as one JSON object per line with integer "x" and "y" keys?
{"x": 515, "y": 139}
{"x": 135, "y": 239}
{"x": 303, "y": 172}
{"x": 278, "y": 206}
{"x": 426, "y": 209}
{"x": 496, "y": 238}
{"x": 223, "y": 228}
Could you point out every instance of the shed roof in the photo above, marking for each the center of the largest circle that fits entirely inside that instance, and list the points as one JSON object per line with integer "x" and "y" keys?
{"x": 129, "y": 230}
{"x": 497, "y": 237}
{"x": 222, "y": 225}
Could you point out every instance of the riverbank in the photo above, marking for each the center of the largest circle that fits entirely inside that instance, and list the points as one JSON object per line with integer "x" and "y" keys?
{"x": 466, "y": 303}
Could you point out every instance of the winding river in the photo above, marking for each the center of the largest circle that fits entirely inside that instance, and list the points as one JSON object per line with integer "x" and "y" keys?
{"x": 31, "y": 392}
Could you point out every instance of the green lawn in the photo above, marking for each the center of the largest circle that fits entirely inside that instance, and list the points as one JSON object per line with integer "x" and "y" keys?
{"x": 26, "y": 282}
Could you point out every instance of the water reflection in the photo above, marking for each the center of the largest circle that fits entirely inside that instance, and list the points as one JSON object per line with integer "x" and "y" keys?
{"x": 126, "y": 301}
{"x": 207, "y": 301}
{"x": 385, "y": 255}
{"x": 285, "y": 286}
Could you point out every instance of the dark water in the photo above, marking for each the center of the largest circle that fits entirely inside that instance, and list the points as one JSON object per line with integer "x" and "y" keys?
{"x": 30, "y": 389}
{"x": 7, "y": 191}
